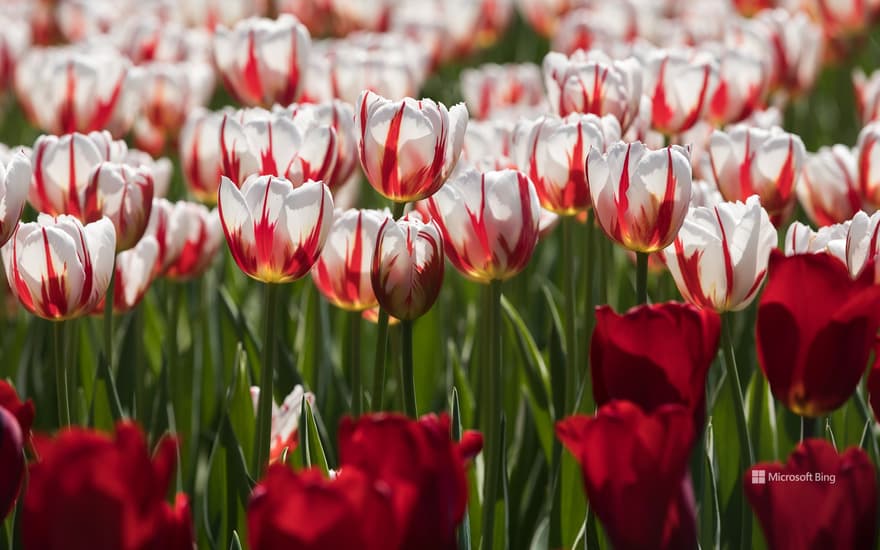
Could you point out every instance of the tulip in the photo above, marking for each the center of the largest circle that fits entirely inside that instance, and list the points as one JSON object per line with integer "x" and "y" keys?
{"x": 62, "y": 169}
{"x": 719, "y": 257}
{"x": 830, "y": 239}
{"x": 704, "y": 193}
{"x": 742, "y": 86}
{"x": 395, "y": 69}
{"x": 273, "y": 61}
{"x": 640, "y": 196}
{"x": 862, "y": 242}
{"x": 209, "y": 14}
{"x": 597, "y": 26}
{"x": 797, "y": 339}
{"x": 355, "y": 15}
{"x": 634, "y": 465}
{"x": 275, "y": 232}
{"x": 841, "y": 18}
{"x": 408, "y": 148}
{"x": 22, "y": 411}
{"x": 681, "y": 85}
{"x": 285, "y": 420}
{"x": 339, "y": 116}
{"x": 160, "y": 169}
{"x": 828, "y": 188}
{"x": 166, "y": 225}
{"x": 15, "y": 179}
{"x": 199, "y": 234}
{"x": 66, "y": 90}
{"x": 747, "y": 161}
{"x": 494, "y": 88}
{"x": 58, "y": 268}
{"x": 868, "y": 155}
{"x": 133, "y": 275}
{"x": 14, "y": 43}
{"x": 356, "y": 511}
{"x": 151, "y": 37}
{"x": 11, "y": 460}
{"x": 836, "y": 511}
{"x": 124, "y": 195}
{"x": 200, "y": 154}
{"x": 342, "y": 273}
{"x": 82, "y": 471}
{"x": 316, "y": 156}
{"x": 553, "y": 152}
{"x": 867, "y": 95}
{"x": 593, "y": 83}
{"x": 543, "y": 15}
{"x": 422, "y": 466}
{"x": 668, "y": 348}
{"x": 489, "y": 221}
{"x": 797, "y": 48}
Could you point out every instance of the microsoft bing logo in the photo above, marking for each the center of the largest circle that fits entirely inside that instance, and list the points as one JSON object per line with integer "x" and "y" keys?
{"x": 759, "y": 477}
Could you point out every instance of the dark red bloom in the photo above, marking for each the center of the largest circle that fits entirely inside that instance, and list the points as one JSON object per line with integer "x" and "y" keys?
{"x": 305, "y": 510}
{"x": 24, "y": 412}
{"x": 11, "y": 461}
{"x": 89, "y": 491}
{"x": 815, "y": 330}
{"x": 654, "y": 355}
{"x": 422, "y": 466}
{"x": 836, "y": 511}
{"x": 634, "y": 466}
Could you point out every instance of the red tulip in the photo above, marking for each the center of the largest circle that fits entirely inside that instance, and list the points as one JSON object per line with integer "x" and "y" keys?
{"x": 24, "y": 412}
{"x": 490, "y": 222}
{"x": 408, "y": 148}
{"x": 421, "y": 465}
{"x": 343, "y": 272}
{"x": 90, "y": 491}
{"x": 818, "y": 499}
{"x": 11, "y": 460}
{"x": 799, "y": 340}
{"x": 654, "y": 355}
{"x": 634, "y": 466}
{"x": 275, "y": 231}
{"x": 307, "y": 511}
{"x": 261, "y": 60}
{"x": 407, "y": 269}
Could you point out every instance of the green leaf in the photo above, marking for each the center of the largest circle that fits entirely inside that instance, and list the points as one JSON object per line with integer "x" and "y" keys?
{"x": 536, "y": 375}
{"x": 313, "y": 449}
{"x": 464, "y": 532}
{"x": 236, "y": 543}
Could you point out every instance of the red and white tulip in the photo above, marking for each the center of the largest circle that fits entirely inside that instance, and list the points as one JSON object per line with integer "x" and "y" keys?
{"x": 681, "y": 85}
{"x": 743, "y": 83}
{"x": 830, "y": 239}
{"x": 829, "y": 186}
{"x": 284, "y": 427}
{"x": 640, "y": 196}
{"x": 199, "y": 235}
{"x": 719, "y": 257}
{"x": 15, "y": 179}
{"x": 492, "y": 88}
{"x": 134, "y": 274}
{"x": 275, "y": 231}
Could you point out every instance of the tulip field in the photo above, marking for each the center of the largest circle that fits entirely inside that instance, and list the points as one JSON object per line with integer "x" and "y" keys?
{"x": 439, "y": 274}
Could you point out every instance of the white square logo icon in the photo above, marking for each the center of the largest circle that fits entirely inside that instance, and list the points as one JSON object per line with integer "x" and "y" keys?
{"x": 759, "y": 477}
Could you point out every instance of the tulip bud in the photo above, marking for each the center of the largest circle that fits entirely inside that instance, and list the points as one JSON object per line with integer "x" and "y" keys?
{"x": 494, "y": 88}
{"x": 124, "y": 195}
{"x": 275, "y": 231}
{"x": 593, "y": 83}
{"x": 553, "y": 152}
{"x": 837, "y": 511}
{"x": 490, "y": 223}
{"x": 830, "y": 239}
{"x": 640, "y": 196}
{"x": 15, "y": 179}
{"x": 747, "y": 161}
{"x": 133, "y": 275}
{"x": 342, "y": 273}
{"x": 270, "y": 71}
{"x": 828, "y": 188}
{"x": 59, "y": 269}
{"x": 285, "y": 420}
{"x": 632, "y": 460}
{"x": 407, "y": 268}
{"x": 408, "y": 148}
{"x": 797, "y": 339}
{"x": 719, "y": 257}
{"x": 681, "y": 85}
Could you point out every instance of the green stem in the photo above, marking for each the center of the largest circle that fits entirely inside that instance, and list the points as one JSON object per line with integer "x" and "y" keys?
{"x": 108, "y": 321}
{"x": 493, "y": 425}
{"x": 60, "y": 373}
{"x": 641, "y": 278}
{"x": 139, "y": 371}
{"x": 747, "y": 454}
{"x": 173, "y": 318}
{"x": 568, "y": 288}
{"x": 406, "y": 370}
{"x": 354, "y": 357}
{"x": 267, "y": 369}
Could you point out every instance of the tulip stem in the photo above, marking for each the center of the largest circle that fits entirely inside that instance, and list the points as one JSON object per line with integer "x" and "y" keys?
{"x": 379, "y": 360}
{"x": 354, "y": 359}
{"x": 572, "y": 381}
{"x": 747, "y": 455}
{"x": 264, "y": 405}
{"x": 493, "y": 420}
{"x": 60, "y": 373}
{"x": 108, "y": 320}
{"x": 406, "y": 370}
{"x": 641, "y": 278}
